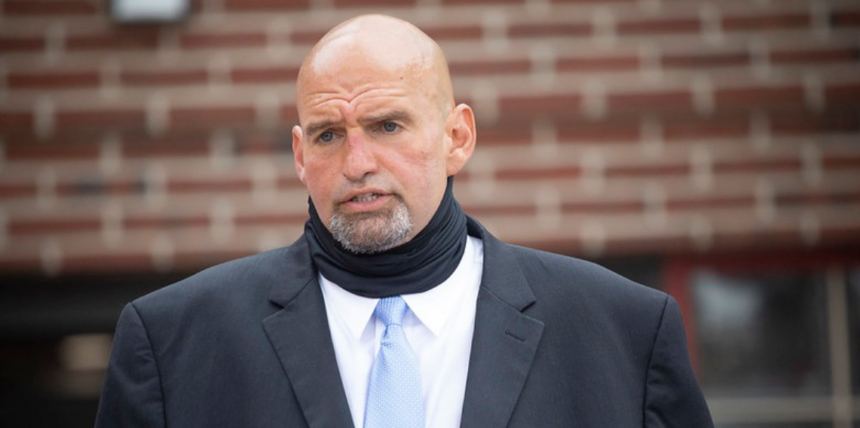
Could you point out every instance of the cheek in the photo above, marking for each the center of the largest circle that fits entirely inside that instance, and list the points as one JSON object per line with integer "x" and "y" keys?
{"x": 320, "y": 187}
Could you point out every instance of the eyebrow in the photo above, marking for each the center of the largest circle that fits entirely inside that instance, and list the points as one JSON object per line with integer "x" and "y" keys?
{"x": 315, "y": 127}
{"x": 391, "y": 116}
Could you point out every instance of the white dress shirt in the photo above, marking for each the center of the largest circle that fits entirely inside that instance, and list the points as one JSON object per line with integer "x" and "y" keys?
{"x": 439, "y": 327}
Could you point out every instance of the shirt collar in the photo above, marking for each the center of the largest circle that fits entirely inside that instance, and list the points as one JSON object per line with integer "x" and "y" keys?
{"x": 433, "y": 307}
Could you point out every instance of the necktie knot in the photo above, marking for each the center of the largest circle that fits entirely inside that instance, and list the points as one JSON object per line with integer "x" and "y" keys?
{"x": 390, "y": 310}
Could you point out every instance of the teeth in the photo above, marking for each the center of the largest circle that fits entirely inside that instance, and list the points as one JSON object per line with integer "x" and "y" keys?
{"x": 365, "y": 198}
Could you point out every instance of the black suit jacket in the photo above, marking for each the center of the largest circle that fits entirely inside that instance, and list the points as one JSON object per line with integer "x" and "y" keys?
{"x": 558, "y": 342}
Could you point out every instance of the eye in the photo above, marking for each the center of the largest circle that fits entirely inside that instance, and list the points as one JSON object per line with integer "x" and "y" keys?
{"x": 389, "y": 126}
{"x": 326, "y": 137}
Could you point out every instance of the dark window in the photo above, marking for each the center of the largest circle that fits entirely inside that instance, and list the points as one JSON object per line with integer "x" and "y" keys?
{"x": 761, "y": 334}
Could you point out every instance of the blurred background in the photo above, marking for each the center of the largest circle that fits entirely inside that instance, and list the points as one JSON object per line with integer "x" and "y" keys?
{"x": 707, "y": 148}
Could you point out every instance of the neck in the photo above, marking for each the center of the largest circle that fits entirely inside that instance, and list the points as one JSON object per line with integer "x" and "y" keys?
{"x": 413, "y": 267}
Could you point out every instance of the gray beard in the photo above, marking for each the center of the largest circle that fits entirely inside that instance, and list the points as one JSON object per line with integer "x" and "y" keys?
{"x": 369, "y": 233}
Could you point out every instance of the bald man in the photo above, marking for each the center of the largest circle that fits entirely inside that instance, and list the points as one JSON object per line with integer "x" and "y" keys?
{"x": 491, "y": 335}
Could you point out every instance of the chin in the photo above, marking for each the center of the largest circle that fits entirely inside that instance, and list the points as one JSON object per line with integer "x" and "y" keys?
{"x": 372, "y": 232}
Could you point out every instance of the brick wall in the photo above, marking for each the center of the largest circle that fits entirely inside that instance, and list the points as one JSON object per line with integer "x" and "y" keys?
{"x": 605, "y": 127}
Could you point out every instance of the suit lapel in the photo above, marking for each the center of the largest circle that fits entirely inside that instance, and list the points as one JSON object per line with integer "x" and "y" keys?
{"x": 505, "y": 339}
{"x": 300, "y": 335}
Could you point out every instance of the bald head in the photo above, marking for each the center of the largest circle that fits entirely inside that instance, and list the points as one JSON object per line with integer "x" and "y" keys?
{"x": 370, "y": 46}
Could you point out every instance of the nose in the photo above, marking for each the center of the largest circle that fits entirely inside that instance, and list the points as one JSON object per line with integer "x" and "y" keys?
{"x": 360, "y": 160}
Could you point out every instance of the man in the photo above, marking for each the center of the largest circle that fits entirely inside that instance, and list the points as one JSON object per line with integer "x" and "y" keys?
{"x": 492, "y": 335}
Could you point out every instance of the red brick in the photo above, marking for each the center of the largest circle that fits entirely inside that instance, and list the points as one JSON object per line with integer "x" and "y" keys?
{"x": 618, "y": 131}
{"x": 488, "y": 2}
{"x": 223, "y": 40}
{"x": 760, "y": 96}
{"x": 767, "y": 22}
{"x": 95, "y": 186}
{"x": 845, "y": 18}
{"x": 486, "y": 67}
{"x": 802, "y": 122}
{"x": 265, "y": 143}
{"x": 16, "y": 120}
{"x": 814, "y": 56}
{"x": 269, "y": 219}
{"x": 138, "y": 39}
{"x": 21, "y": 44}
{"x": 165, "y": 222}
{"x": 704, "y": 60}
{"x": 602, "y": 207}
{"x": 273, "y": 5}
{"x": 540, "y": 106}
{"x": 114, "y": 118}
{"x": 650, "y": 101}
{"x": 820, "y": 198}
{"x": 53, "y": 7}
{"x": 658, "y": 26}
{"x": 839, "y": 237}
{"x": 45, "y": 227}
{"x": 367, "y": 3}
{"x": 196, "y": 6}
{"x": 843, "y": 93}
{"x": 697, "y": 204}
{"x": 842, "y": 162}
{"x": 172, "y": 144}
{"x": 53, "y": 80}
{"x": 8, "y": 191}
{"x": 573, "y": 29}
{"x": 571, "y": 172}
{"x": 647, "y": 170}
{"x": 107, "y": 262}
{"x": 39, "y": 151}
{"x": 286, "y": 182}
{"x": 307, "y": 37}
{"x": 163, "y": 77}
{"x": 284, "y": 74}
{"x": 18, "y": 265}
{"x": 508, "y": 209}
{"x": 463, "y": 32}
{"x": 593, "y": 1}
{"x": 757, "y": 166}
{"x": 720, "y": 126}
{"x": 289, "y": 115}
{"x": 206, "y": 117}
{"x": 504, "y": 135}
{"x": 213, "y": 185}
{"x": 591, "y": 64}
{"x": 765, "y": 239}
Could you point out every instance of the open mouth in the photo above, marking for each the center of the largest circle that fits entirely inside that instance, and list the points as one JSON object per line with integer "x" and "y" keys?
{"x": 367, "y": 197}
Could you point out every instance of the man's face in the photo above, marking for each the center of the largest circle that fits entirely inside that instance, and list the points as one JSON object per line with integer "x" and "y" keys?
{"x": 371, "y": 149}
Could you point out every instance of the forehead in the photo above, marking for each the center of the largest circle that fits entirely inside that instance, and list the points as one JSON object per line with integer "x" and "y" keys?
{"x": 354, "y": 67}
{"x": 356, "y": 88}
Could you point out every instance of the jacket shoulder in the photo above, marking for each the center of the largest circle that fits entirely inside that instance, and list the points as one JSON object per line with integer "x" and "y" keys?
{"x": 569, "y": 278}
{"x": 224, "y": 284}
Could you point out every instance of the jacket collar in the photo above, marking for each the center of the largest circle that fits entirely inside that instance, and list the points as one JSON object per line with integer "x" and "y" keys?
{"x": 503, "y": 347}
{"x": 505, "y": 339}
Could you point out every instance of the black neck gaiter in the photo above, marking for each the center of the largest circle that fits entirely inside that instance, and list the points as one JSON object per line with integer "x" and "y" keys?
{"x": 414, "y": 267}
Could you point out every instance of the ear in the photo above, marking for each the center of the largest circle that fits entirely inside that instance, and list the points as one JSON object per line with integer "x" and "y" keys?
{"x": 298, "y": 153}
{"x": 460, "y": 131}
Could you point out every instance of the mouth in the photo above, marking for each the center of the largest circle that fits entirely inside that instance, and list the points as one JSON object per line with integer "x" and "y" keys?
{"x": 366, "y": 200}
{"x": 365, "y": 197}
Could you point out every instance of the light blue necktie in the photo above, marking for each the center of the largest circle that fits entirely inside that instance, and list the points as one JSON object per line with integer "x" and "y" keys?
{"x": 394, "y": 397}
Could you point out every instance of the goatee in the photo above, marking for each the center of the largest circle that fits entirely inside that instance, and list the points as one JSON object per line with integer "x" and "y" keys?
{"x": 372, "y": 232}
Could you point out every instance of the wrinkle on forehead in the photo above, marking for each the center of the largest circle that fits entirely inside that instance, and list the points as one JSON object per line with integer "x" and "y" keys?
{"x": 322, "y": 97}
{"x": 372, "y": 48}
